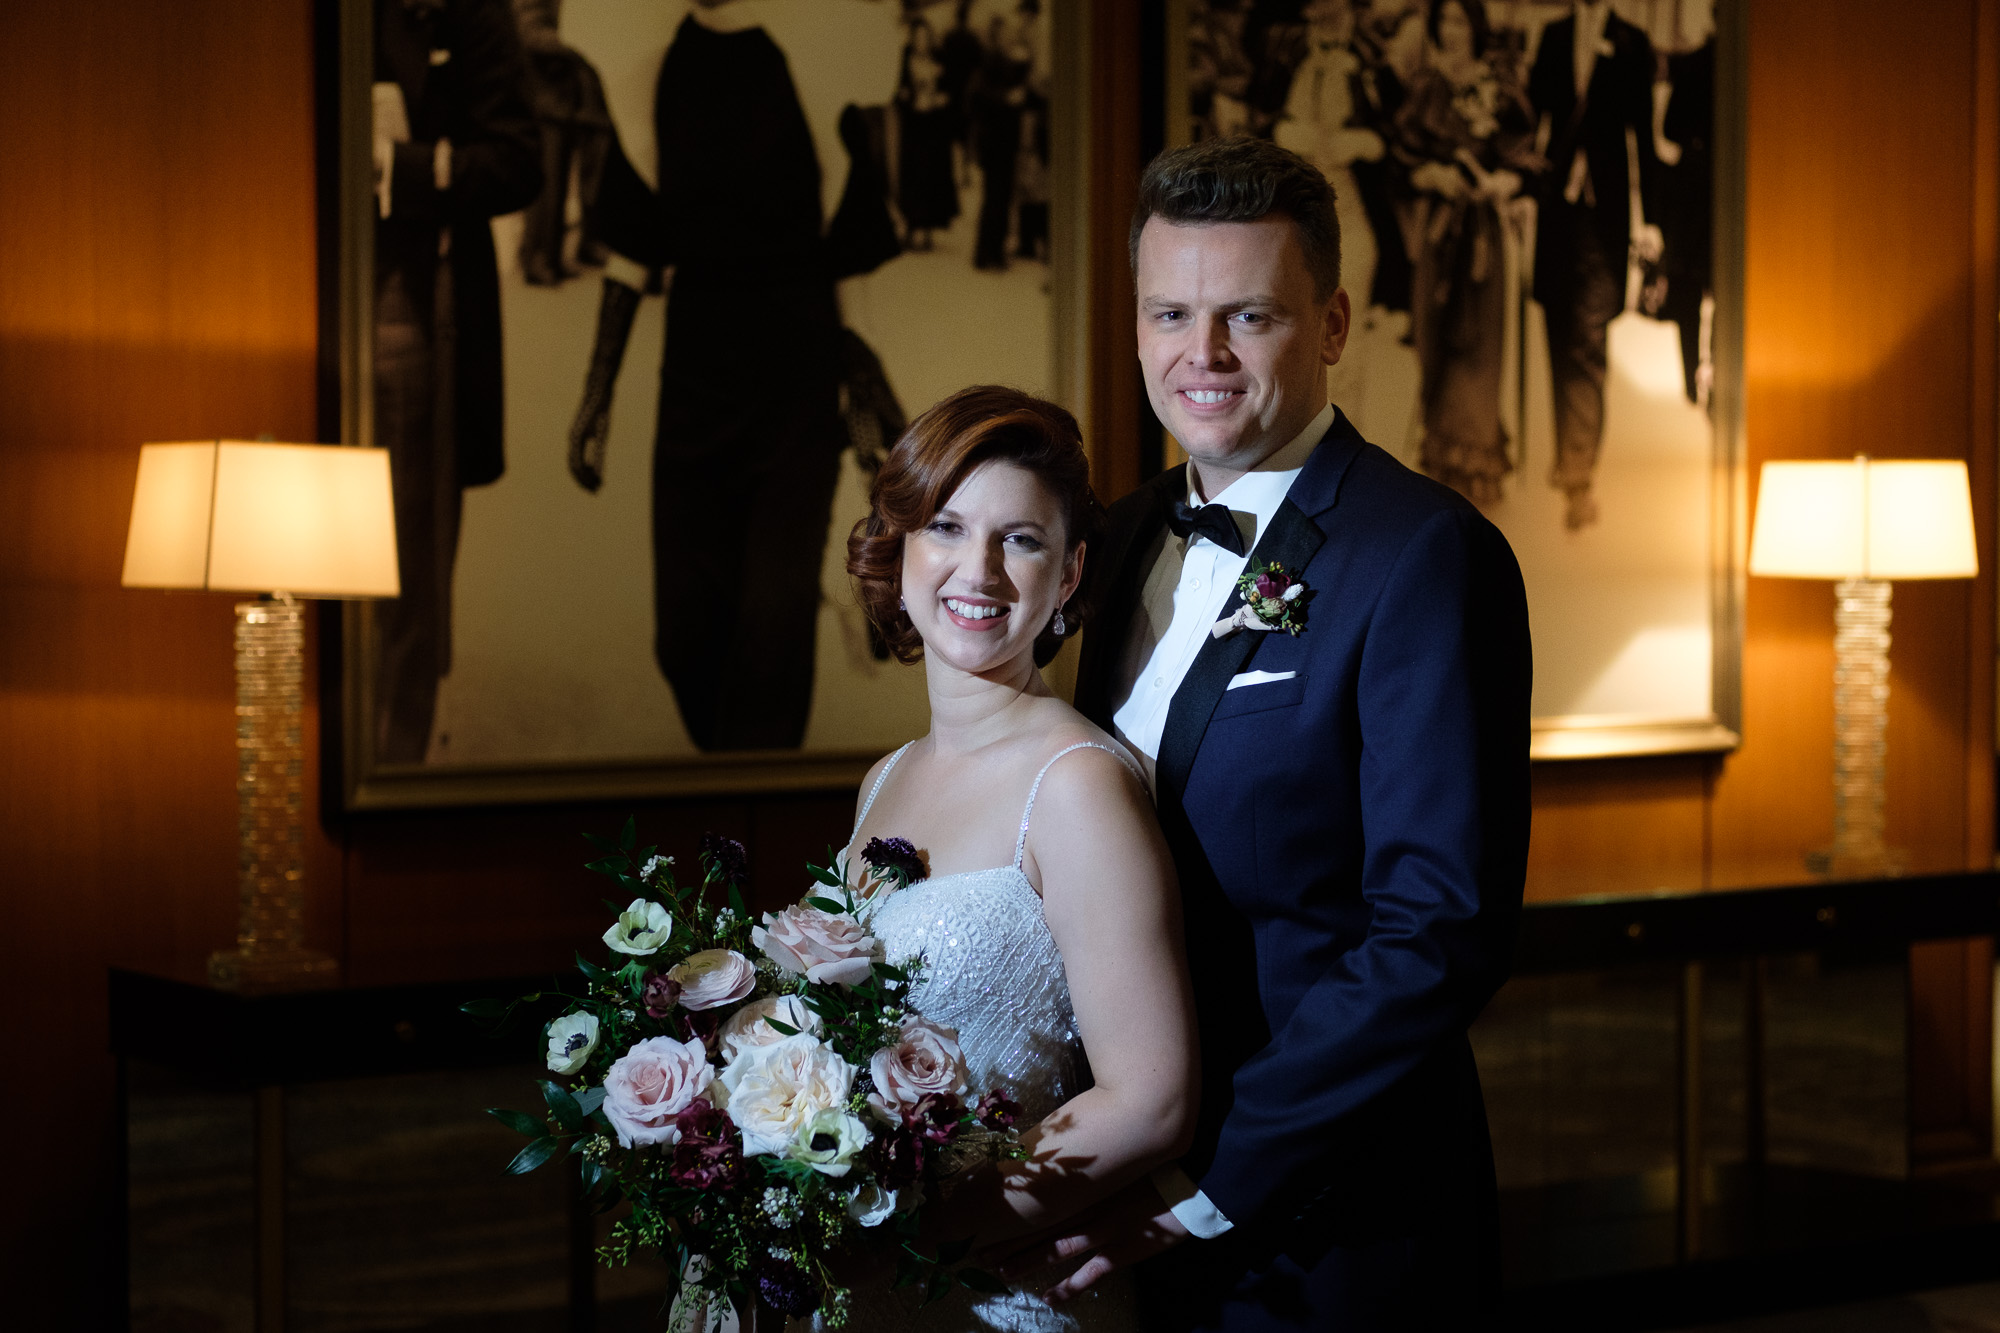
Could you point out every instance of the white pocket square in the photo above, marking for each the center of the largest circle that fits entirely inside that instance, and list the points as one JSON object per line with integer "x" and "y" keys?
{"x": 1258, "y": 678}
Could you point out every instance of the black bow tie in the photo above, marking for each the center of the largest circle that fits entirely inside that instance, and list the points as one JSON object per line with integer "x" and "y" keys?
{"x": 1211, "y": 521}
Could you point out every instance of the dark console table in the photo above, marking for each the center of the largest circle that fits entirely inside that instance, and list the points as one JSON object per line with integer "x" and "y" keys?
{"x": 262, "y": 1043}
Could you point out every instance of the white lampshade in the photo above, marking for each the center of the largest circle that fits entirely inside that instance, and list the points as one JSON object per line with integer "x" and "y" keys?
{"x": 1865, "y": 519}
{"x": 312, "y": 520}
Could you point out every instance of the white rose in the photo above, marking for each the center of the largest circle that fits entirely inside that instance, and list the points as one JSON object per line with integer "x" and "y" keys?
{"x": 571, "y": 1040}
{"x": 827, "y": 1143}
{"x": 776, "y": 1090}
{"x": 870, "y": 1204}
{"x": 926, "y": 1062}
{"x": 652, "y": 1084}
{"x": 713, "y": 978}
{"x": 746, "y": 1027}
{"x": 642, "y": 928}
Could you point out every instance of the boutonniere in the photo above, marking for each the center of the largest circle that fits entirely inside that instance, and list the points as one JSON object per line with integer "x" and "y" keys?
{"x": 1272, "y": 599}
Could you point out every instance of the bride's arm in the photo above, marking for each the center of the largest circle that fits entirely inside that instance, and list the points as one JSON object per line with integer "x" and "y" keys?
{"x": 1110, "y": 899}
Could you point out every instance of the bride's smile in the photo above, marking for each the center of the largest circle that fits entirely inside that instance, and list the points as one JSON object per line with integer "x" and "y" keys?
{"x": 984, "y": 577}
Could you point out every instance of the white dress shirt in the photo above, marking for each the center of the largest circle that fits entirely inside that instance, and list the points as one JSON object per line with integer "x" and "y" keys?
{"x": 1180, "y": 600}
{"x": 1185, "y": 587}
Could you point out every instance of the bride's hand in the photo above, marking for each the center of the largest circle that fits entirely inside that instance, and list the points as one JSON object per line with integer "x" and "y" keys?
{"x": 1130, "y": 1226}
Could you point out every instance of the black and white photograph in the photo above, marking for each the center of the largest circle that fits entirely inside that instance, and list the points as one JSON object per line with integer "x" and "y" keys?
{"x": 1526, "y": 195}
{"x": 654, "y": 286}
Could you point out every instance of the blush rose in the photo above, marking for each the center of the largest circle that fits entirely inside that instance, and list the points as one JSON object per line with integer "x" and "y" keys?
{"x": 925, "y": 1062}
{"x": 828, "y": 947}
{"x": 647, "y": 1088}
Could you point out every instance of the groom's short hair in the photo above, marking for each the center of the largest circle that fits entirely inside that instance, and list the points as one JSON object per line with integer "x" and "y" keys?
{"x": 1239, "y": 179}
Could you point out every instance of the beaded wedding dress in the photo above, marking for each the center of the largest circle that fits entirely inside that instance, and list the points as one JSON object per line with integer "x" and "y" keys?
{"x": 992, "y": 971}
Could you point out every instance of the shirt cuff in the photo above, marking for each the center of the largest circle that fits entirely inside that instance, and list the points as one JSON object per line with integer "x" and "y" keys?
{"x": 1189, "y": 1205}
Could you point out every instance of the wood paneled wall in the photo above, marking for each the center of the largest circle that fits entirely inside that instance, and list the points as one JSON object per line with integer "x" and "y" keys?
{"x": 157, "y": 281}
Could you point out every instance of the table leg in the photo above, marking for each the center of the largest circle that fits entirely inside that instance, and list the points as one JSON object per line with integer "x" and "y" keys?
{"x": 1689, "y": 1163}
{"x": 121, "y": 1182}
{"x": 270, "y": 1185}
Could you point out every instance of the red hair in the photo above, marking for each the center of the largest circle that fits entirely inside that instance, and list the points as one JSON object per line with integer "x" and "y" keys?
{"x": 983, "y": 424}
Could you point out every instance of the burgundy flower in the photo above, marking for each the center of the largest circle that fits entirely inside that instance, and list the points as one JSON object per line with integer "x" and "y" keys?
{"x": 896, "y": 857}
{"x": 934, "y": 1119}
{"x": 725, "y": 858}
{"x": 661, "y": 994}
{"x": 897, "y": 1156}
{"x": 1273, "y": 583}
{"x": 997, "y": 1111}
{"x": 708, "y": 1157}
{"x": 785, "y": 1287}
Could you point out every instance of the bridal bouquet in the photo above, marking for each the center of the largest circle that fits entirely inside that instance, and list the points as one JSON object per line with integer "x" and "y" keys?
{"x": 762, "y": 1094}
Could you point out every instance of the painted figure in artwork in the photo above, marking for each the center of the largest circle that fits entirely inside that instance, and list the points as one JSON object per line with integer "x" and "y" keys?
{"x": 750, "y": 430}
{"x": 1467, "y": 133}
{"x": 1592, "y": 85}
{"x": 454, "y": 147}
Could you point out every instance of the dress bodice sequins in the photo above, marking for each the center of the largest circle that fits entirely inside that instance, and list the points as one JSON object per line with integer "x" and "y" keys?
{"x": 991, "y": 969}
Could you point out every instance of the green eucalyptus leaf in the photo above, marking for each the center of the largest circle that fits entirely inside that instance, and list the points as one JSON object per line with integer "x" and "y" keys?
{"x": 518, "y": 1121}
{"x": 827, "y": 905}
{"x": 736, "y": 903}
{"x": 485, "y": 1008}
{"x": 533, "y": 1156}
{"x": 562, "y": 1106}
{"x": 589, "y": 1100}
{"x": 629, "y": 837}
{"x": 777, "y": 1026}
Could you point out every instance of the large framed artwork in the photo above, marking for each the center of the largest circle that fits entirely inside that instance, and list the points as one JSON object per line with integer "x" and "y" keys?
{"x": 1541, "y": 215}
{"x": 636, "y": 292}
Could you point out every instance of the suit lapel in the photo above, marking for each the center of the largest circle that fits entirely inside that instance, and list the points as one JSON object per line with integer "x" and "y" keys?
{"x": 1292, "y": 540}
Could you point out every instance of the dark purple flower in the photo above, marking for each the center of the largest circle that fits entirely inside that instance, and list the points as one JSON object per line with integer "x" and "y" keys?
{"x": 784, "y": 1287}
{"x": 1273, "y": 583}
{"x": 895, "y": 857}
{"x": 896, "y": 1155}
{"x": 661, "y": 994}
{"x": 997, "y": 1111}
{"x": 708, "y": 1157}
{"x": 724, "y": 858}
{"x": 935, "y": 1118}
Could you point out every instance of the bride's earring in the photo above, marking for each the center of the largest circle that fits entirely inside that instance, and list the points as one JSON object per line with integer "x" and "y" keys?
{"x": 1056, "y": 626}
{"x": 902, "y": 605}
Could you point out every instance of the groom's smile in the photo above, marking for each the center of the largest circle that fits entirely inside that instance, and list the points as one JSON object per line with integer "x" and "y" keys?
{"x": 1234, "y": 339}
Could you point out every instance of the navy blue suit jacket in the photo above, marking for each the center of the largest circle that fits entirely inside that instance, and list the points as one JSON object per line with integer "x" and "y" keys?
{"x": 1351, "y": 843}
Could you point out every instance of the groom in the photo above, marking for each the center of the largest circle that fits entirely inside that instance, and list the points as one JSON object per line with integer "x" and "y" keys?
{"x": 1347, "y": 805}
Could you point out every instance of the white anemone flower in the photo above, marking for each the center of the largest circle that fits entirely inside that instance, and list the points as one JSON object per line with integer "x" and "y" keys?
{"x": 642, "y": 928}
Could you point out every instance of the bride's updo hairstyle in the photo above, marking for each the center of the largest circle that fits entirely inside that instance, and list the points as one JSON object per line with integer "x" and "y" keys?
{"x": 983, "y": 424}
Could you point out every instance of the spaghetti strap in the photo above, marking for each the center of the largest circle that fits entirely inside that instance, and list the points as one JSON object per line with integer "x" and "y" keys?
{"x": 1021, "y": 842}
{"x": 876, "y": 790}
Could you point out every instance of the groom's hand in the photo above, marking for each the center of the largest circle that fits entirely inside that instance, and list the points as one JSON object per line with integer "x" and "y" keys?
{"x": 1132, "y": 1225}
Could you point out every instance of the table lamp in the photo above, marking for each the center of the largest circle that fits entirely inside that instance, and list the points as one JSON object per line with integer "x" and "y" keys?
{"x": 289, "y": 521}
{"x": 1863, "y": 523}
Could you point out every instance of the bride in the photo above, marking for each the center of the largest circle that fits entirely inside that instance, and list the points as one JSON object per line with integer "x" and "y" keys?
{"x": 1049, "y": 924}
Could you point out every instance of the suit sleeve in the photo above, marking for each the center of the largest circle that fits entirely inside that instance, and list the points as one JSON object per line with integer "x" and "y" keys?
{"x": 1638, "y": 114}
{"x": 1442, "y": 699}
{"x": 1543, "y": 95}
{"x": 495, "y": 145}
